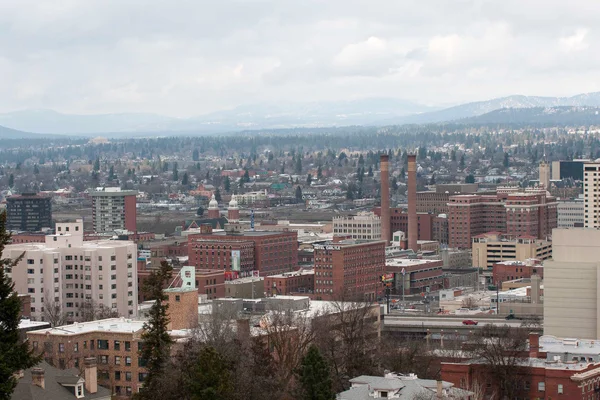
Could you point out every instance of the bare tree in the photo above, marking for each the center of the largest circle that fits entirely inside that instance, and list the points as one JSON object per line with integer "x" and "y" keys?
{"x": 90, "y": 310}
{"x": 469, "y": 302}
{"x": 501, "y": 349}
{"x": 54, "y": 313}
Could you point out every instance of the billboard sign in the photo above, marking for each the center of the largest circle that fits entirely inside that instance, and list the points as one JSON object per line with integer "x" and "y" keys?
{"x": 235, "y": 260}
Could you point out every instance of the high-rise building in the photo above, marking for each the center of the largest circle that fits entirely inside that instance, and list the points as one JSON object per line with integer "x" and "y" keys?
{"x": 364, "y": 226}
{"x": 517, "y": 214}
{"x": 28, "y": 212}
{"x": 68, "y": 272}
{"x": 114, "y": 209}
{"x": 386, "y": 233}
{"x": 436, "y": 201}
{"x": 571, "y": 280}
{"x": 568, "y": 169}
{"x": 349, "y": 269}
{"x": 591, "y": 195}
{"x": 413, "y": 229}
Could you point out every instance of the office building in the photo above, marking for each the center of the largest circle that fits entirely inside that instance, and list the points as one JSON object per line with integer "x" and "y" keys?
{"x": 239, "y": 253}
{"x": 349, "y": 268}
{"x": 436, "y": 201}
{"x": 415, "y": 276}
{"x": 297, "y": 282}
{"x": 28, "y": 212}
{"x": 69, "y": 271}
{"x": 568, "y": 169}
{"x": 571, "y": 213}
{"x": 494, "y": 247}
{"x": 518, "y": 214}
{"x": 364, "y": 226}
{"x": 114, "y": 209}
{"x": 544, "y": 175}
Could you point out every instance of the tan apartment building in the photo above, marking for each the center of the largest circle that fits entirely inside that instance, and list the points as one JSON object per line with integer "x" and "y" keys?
{"x": 69, "y": 271}
{"x": 115, "y": 343}
{"x": 494, "y": 247}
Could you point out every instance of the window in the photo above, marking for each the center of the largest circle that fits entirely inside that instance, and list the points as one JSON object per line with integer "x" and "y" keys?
{"x": 560, "y": 388}
{"x": 177, "y": 298}
{"x": 128, "y": 390}
{"x": 117, "y": 375}
{"x": 117, "y": 360}
{"x": 61, "y": 347}
{"x": 76, "y": 347}
{"x": 102, "y": 359}
{"x": 128, "y": 376}
{"x": 117, "y": 345}
{"x": 541, "y": 386}
{"x": 79, "y": 391}
{"x": 127, "y": 346}
{"x": 102, "y": 344}
{"x": 128, "y": 361}
{"x": 142, "y": 376}
{"x": 113, "y": 258}
{"x": 30, "y": 261}
{"x": 383, "y": 394}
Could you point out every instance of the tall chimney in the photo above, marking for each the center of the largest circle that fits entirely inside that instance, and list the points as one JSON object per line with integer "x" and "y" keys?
{"x": 37, "y": 377}
{"x": 439, "y": 389}
{"x": 386, "y": 233}
{"x": 91, "y": 374}
{"x": 413, "y": 227}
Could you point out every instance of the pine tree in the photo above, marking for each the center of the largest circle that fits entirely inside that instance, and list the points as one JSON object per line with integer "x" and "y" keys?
{"x": 36, "y": 169}
{"x": 185, "y": 181}
{"x": 218, "y": 195}
{"x": 157, "y": 342}
{"x": 462, "y": 161}
{"x": 11, "y": 181}
{"x": 111, "y": 173}
{"x": 505, "y": 162}
{"x": 319, "y": 173}
{"x": 227, "y": 184}
{"x": 314, "y": 377}
{"x": 308, "y": 179}
{"x": 298, "y": 193}
{"x": 211, "y": 378}
{"x": 97, "y": 164}
{"x": 14, "y": 354}
{"x": 195, "y": 155}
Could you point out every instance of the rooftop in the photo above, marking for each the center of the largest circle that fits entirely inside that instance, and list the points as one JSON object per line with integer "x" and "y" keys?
{"x": 407, "y": 262}
{"x": 28, "y": 324}
{"x": 118, "y": 325}
{"x": 300, "y": 272}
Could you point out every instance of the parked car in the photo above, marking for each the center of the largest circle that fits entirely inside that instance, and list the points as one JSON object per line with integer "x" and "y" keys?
{"x": 469, "y": 322}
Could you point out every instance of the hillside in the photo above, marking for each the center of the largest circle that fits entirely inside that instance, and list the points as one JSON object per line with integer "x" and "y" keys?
{"x": 571, "y": 116}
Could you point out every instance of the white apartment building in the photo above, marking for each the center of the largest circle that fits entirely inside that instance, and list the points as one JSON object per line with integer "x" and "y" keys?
{"x": 591, "y": 195}
{"x": 68, "y": 270}
{"x": 570, "y": 213}
{"x": 363, "y": 226}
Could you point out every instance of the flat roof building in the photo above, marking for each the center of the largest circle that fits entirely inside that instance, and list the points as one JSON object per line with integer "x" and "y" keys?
{"x": 28, "y": 212}
{"x": 114, "y": 209}
{"x": 494, "y": 247}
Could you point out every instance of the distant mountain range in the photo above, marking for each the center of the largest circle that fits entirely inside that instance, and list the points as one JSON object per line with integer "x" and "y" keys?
{"x": 370, "y": 111}
{"x": 562, "y": 115}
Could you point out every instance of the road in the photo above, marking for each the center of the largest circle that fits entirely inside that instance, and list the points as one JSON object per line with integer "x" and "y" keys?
{"x": 438, "y": 322}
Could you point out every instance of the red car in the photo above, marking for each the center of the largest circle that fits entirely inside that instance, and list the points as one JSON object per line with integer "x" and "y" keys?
{"x": 469, "y": 322}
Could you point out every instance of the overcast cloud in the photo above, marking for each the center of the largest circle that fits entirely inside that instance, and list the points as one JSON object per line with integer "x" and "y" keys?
{"x": 189, "y": 57}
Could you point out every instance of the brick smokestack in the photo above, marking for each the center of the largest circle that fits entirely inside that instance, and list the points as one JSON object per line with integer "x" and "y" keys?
{"x": 385, "y": 198}
{"x": 413, "y": 227}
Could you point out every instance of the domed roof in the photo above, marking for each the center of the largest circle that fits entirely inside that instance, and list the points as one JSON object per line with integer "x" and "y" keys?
{"x": 212, "y": 205}
{"x": 233, "y": 203}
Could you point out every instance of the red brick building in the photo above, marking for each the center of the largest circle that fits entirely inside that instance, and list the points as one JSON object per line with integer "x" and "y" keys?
{"x": 211, "y": 282}
{"x": 267, "y": 252}
{"x": 566, "y": 369}
{"x": 511, "y": 270}
{"x": 301, "y": 281}
{"x": 418, "y": 275}
{"x": 399, "y": 222}
{"x": 532, "y": 213}
{"x": 349, "y": 267}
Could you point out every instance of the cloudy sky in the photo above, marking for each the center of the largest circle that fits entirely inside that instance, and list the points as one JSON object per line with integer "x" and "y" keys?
{"x": 189, "y": 57}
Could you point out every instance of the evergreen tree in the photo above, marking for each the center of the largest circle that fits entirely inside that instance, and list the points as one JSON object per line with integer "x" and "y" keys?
{"x": 195, "y": 155}
{"x": 314, "y": 378}
{"x": 218, "y": 195}
{"x": 14, "y": 354}
{"x": 211, "y": 377}
{"x": 186, "y": 180}
{"x": 36, "y": 169}
{"x": 370, "y": 173}
{"x": 246, "y": 177}
{"x": 97, "y": 164}
{"x": 394, "y": 184}
{"x": 227, "y": 184}
{"x": 11, "y": 181}
{"x": 319, "y": 173}
{"x": 111, "y": 173}
{"x": 157, "y": 342}
{"x": 462, "y": 161}
{"x": 200, "y": 211}
{"x": 361, "y": 160}
{"x": 470, "y": 179}
{"x": 308, "y": 179}
{"x": 298, "y": 193}
{"x": 505, "y": 162}
{"x": 432, "y": 181}
{"x": 299, "y": 165}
